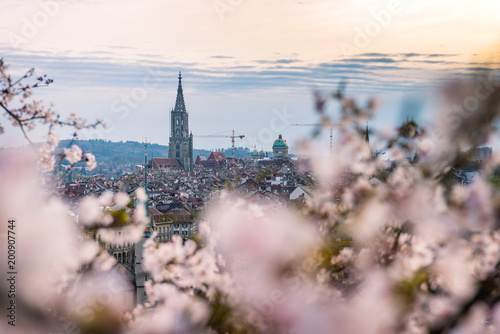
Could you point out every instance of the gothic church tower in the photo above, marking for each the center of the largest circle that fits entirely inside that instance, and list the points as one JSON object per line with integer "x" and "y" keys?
{"x": 180, "y": 146}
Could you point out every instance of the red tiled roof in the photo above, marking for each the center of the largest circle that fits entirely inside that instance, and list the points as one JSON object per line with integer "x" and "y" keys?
{"x": 218, "y": 156}
{"x": 199, "y": 159}
{"x": 165, "y": 163}
{"x": 154, "y": 212}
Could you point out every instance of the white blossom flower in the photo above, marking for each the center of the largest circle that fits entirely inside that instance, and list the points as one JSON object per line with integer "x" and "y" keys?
{"x": 141, "y": 194}
{"x": 90, "y": 211}
{"x": 122, "y": 199}
{"x": 91, "y": 163}
{"x": 73, "y": 155}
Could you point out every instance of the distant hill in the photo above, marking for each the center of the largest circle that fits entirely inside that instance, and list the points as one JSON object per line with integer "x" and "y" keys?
{"x": 133, "y": 152}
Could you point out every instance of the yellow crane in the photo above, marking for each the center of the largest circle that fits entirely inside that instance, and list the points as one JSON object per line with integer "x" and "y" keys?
{"x": 233, "y": 136}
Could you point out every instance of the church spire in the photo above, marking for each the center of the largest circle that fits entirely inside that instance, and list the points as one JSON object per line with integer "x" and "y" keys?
{"x": 367, "y": 141}
{"x": 367, "y": 135}
{"x": 179, "y": 102}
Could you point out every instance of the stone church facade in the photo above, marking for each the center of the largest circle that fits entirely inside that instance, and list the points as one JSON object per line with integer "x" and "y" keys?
{"x": 181, "y": 141}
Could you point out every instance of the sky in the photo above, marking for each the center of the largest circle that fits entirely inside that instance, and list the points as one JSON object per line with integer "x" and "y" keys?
{"x": 251, "y": 66}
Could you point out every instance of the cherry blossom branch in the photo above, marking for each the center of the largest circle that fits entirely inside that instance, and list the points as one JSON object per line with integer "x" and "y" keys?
{"x": 29, "y": 114}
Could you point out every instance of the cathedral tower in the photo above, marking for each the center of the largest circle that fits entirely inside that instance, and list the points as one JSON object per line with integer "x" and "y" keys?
{"x": 180, "y": 146}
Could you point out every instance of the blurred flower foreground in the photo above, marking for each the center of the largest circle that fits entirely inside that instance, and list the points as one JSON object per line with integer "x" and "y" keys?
{"x": 388, "y": 243}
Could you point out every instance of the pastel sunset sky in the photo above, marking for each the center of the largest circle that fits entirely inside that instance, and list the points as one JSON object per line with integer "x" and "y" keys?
{"x": 248, "y": 65}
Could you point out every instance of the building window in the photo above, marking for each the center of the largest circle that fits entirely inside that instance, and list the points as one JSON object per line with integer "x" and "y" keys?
{"x": 176, "y": 225}
{"x": 176, "y": 232}
{"x": 120, "y": 257}
{"x": 184, "y": 225}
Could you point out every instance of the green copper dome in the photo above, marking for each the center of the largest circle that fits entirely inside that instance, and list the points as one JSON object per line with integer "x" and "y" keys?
{"x": 255, "y": 154}
{"x": 280, "y": 142}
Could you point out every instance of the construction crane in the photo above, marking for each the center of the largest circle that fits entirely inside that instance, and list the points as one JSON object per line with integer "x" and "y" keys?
{"x": 329, "y": 125}
{"x": 225, "y": 136}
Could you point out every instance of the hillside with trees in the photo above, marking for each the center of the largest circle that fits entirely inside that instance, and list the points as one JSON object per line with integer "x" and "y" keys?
{"x": 132, "y": 152}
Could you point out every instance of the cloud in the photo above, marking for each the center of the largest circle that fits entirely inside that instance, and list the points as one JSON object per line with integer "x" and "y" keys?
{"x": 222, "y": 57}
{"x": 375, "y": 54}
{"x": 432, "y": 55}
{"x": 278, "y": 61}
{"x": 434, "y": 61}
{"x": 377, "y": 71}
{"x": 409, "y": 55}
{"x": 122, "y": 47}
{"x": 372, "y": 60}
{"x": 286, "y": 61}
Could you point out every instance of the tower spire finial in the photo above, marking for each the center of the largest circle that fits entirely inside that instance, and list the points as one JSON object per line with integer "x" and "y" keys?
{"x": 367, "y": 134}
{"x": 179, "y": 103}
